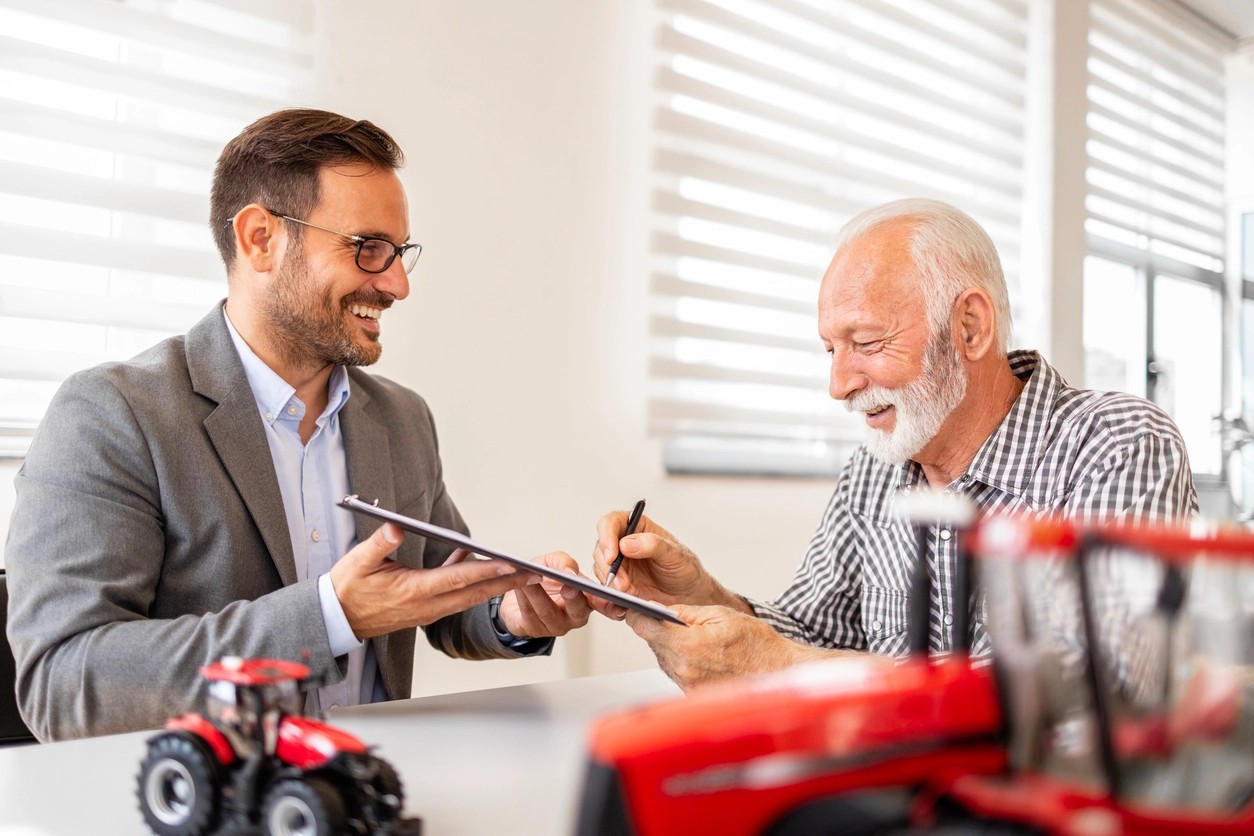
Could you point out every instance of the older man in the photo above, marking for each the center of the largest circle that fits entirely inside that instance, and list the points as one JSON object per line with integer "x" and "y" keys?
{"x": 181, "y": 506}
{"x": 914, "y": 313}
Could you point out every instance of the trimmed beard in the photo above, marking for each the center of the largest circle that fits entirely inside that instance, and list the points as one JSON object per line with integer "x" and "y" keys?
{"x": 922, "y": 405}
{"x": 308, "y": 327}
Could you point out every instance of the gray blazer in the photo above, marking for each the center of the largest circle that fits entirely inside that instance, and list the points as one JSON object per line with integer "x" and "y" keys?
{"x": 149, "y": 538}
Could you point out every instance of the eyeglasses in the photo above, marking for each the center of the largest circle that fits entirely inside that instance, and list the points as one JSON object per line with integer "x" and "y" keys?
{"x": 374, "y": 255}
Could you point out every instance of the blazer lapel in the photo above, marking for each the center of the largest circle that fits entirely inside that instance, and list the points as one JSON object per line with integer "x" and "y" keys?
{"x": 239, "y": 438}
{"x": 370, "y": 477}
{"x": 369, "y": 456}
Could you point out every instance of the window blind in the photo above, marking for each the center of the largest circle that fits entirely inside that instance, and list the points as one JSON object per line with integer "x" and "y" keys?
{"x": 111, "y": 118}
{"x": 1156, "y": 136}
{"x": 774, "y": 124}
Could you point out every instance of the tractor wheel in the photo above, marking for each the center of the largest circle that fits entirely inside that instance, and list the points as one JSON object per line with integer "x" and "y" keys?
{"x": 178, "y": 786}
{"x": 389, "y": 783}
{"x": 304, "y": 807}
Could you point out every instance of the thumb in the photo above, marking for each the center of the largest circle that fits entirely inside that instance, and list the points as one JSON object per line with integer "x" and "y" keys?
{"x": 378, "y": 547}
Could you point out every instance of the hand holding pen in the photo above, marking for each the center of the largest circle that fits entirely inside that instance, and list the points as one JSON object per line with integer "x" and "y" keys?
{"x": 632, "y": 522}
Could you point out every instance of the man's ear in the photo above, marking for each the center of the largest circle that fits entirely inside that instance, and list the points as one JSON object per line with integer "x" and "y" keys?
{"x": 975, "y": 323}
{"x": 258, "y": 238}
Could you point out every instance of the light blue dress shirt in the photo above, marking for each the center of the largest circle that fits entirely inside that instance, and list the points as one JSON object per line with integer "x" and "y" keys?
{"x": 313, "y": 477}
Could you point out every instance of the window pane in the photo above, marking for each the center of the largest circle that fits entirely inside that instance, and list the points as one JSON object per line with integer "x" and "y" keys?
{"x": 1190, "y": 387}
{"x": 1114, "y": 346}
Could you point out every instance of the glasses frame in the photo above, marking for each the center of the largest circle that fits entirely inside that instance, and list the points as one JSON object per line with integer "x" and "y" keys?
{"x": 360, "y": 240}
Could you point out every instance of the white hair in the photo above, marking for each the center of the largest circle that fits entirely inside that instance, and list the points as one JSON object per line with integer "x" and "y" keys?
{"x": 951, "y": 253}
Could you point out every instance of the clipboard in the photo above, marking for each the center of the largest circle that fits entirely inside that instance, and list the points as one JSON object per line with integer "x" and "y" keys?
{"x": 456, "y": 538}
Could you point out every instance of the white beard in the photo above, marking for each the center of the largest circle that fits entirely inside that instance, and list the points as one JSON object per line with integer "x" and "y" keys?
{"x": 922, "y": 405}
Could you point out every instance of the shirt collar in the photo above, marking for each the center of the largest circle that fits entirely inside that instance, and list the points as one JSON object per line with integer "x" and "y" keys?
{"x": 1008, "y": 458}
{"x": 273, "y": 393}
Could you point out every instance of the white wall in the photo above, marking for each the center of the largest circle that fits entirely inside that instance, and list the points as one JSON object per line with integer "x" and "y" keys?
{"x": 525, "y": 129}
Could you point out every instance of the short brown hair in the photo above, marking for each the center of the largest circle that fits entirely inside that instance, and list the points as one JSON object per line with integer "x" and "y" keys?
{"x": 275, "y": 162}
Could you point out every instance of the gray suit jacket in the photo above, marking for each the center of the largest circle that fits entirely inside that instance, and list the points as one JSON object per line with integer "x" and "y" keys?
{"x": 149, "y": 538}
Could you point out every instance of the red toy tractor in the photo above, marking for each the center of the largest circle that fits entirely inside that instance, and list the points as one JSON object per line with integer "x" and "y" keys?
{"x": 253, "y": 759}
{"x": 1117, "y": 699}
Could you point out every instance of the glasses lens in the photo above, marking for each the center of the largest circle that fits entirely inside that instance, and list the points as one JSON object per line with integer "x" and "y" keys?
{"x": 374, "y": 255}
{"x": 410, "y": 258}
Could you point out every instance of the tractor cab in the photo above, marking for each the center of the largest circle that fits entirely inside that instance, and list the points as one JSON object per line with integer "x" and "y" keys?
{"x": 1124, "y": 658}
{"x": 246, "y": 699}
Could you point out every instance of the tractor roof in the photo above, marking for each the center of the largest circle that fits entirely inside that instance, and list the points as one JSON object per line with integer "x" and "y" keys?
{"x": 254, "y": 671}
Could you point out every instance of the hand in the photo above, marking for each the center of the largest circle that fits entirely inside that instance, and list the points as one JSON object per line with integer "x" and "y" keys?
{"x": 656, "y": 567}
{"x": 546, "y": 607}
{"x": 718, "y": 643}
{"x": 379, "y": 595}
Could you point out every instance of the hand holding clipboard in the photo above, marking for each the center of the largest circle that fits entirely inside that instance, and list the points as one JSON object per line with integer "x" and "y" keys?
{"x": 459, "y": 540}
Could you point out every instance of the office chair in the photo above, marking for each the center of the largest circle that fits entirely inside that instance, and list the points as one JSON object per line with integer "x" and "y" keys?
{"x": 12, "y": 729}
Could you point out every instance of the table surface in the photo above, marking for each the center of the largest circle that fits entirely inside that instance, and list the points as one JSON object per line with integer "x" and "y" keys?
{"x": 507, "y": 760}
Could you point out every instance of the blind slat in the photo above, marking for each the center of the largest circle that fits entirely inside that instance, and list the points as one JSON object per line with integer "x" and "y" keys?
{"x": 674, "y": 287}
{"x": 663, "y": 326}
{"x": 49, "y": 184}
{"x": 841, "y": 169}
{"x": 989, "y": 84}
{"x": 666, "y": 367}
{"x": 34, "y": 242}
{"x": 58, "y": 126}
{"x": 114, "y": 312}
{"x": 112, "y": 77}
{"x": 683, "y": 44}
{"x": 134, "y": 24}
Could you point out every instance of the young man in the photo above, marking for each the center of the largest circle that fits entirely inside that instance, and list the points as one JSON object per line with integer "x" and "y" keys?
{"x": 181, "y": 506}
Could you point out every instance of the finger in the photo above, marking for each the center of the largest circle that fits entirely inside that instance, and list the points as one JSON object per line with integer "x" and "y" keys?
{"x": 457, "y": 556}
{"x": 607, "y": 608}
{"x": 646, "y": 545}
{"x": 577, "y": 605}
{"x": 464, "y": 597}
{"x": 450, "y": 579}
{"x": 610, "y": 529}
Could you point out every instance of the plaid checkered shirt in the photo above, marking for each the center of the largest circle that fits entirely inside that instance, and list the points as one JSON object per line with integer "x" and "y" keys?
{"x": 1078, "y": 453}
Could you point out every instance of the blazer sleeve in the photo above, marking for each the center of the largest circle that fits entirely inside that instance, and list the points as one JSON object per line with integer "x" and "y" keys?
{"x": 93, "y": 559}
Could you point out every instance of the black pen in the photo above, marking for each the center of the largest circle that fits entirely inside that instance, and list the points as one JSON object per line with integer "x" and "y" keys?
{"x": 632, "y": 522}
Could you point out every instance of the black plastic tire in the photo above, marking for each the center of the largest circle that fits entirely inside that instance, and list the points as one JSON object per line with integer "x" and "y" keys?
{"x": 178, "y": 786}
{"x": 389, "y": 783}
{"x": 304, "y": 807}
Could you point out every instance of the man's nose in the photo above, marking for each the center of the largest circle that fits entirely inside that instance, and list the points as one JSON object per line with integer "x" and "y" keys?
{"x": 845, "y": 379}
{"x": 393, "y": 281}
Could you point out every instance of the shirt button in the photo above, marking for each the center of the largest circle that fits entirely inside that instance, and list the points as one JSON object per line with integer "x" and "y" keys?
{"x": 291, "y": 410}
{"x": 269, "y": 416}
{"x": 316, "y": 535}
{"x": 876, "y": 626}
{"x": 949, "y": 619}
{"x": 945, "y": 534}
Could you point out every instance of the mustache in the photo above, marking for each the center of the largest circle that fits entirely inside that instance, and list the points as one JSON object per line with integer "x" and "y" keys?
{"x": 870, "y": 398}
{"x": 371, "y": 299}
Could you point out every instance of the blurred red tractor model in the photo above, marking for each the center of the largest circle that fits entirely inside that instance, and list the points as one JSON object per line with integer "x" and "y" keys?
{"x": 253, "y": 759}
{"x": 1117, "y": 699}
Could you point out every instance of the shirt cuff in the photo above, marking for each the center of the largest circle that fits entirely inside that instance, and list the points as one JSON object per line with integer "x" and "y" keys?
{"x": 339, "y": 634}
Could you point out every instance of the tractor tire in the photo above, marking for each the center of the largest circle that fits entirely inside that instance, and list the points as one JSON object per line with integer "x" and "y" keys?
{"x": 179, "y": 786}
{"x": 389, "y": 783}
{"x": 304, "y": 807}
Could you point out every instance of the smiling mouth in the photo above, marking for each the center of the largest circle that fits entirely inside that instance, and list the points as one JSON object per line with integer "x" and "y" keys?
{"x": 366, "y": 312}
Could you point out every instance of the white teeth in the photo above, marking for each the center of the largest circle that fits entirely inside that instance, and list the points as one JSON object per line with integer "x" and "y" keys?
{"x": 368, "y": 313}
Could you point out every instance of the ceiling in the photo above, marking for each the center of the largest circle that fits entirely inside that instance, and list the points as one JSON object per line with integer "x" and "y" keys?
{"x": 1237, "y": 16}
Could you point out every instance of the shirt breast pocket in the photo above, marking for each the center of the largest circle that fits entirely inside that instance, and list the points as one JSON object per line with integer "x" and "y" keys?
{"x": 885, "y": 616}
